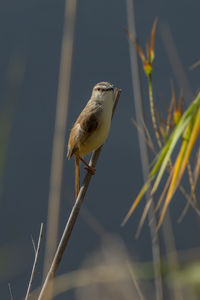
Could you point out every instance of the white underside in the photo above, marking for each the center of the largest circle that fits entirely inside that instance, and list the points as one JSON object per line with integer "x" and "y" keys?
{"x": 100, "y": 135}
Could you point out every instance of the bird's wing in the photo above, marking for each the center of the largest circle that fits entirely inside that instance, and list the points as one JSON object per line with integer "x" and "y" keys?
{"x": 88, "y": 122}
{"x": 85, "y": 125}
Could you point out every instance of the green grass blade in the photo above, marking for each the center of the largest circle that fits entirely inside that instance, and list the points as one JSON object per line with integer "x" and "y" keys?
{"x": 166, "y": 152}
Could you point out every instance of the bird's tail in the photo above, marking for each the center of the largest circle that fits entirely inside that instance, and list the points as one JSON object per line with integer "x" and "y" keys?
{"x": 77, "y": 175}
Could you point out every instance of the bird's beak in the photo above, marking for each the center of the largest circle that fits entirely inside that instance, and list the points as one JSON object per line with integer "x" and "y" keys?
{"x": 110, "y": 88}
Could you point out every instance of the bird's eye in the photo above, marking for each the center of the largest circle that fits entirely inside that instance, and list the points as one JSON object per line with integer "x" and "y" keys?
{"x": 98, "y": 89}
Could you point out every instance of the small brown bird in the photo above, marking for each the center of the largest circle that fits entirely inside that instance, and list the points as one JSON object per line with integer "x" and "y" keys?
{"x": 92, "y": 127}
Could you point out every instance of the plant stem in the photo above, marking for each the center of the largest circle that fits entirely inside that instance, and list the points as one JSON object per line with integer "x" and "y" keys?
{"x": 58, "y": 149}
{"x": 44, "y": 294}
{"x": 37, "y": 250}
{"x": 144, "y": 151}
{"x": 152, "y": 110}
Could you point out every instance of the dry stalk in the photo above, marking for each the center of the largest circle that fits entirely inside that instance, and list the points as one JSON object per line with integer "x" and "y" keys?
{"x": 36, "y": 250}
{"x": 44, "y": 294}
{"x": 10, "y": 292}
{"x": 59, "y": 133}
{"x": 143, "y": 150}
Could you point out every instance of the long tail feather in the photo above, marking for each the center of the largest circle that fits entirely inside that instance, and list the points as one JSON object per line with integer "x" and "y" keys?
{"x": 77, "y": 175}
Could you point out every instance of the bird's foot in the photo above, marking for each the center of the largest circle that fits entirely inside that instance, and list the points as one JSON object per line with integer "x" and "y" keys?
{"x": 90, "y": 169}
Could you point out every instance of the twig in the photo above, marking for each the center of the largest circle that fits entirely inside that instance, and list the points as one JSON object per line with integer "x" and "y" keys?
{"x": 35, "y": 262}
{"x": 72, "y": 219}
{"x": 33, "y": 243}
{"x": 10, "y": 291}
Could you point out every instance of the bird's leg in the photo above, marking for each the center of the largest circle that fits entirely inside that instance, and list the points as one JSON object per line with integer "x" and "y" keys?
{"x": 88, "y": 168}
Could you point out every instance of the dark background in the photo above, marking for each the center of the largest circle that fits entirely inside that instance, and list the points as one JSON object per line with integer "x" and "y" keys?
{"x": 30, "y": 47}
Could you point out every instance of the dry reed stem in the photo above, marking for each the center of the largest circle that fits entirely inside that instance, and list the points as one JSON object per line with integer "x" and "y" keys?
{"x": 10, "y": 292}
{"x": 59, "y": 132}
{"x": 36, "y": 250}
{"x": 71, "y": 220}
{"x": 143, "y": 150}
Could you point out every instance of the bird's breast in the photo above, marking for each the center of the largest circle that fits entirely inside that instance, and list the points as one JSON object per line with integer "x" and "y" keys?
{"x": 99, "y": 136}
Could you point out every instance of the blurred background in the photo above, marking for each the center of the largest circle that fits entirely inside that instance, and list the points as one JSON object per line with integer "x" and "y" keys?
{"x": 31, "y": 35}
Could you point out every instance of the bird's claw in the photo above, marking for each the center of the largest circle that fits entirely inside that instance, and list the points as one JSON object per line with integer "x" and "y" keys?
{"x": 91, "y": 170}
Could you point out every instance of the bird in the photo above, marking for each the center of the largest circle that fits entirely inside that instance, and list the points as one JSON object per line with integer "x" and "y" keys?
{"x": 91, "y": 128}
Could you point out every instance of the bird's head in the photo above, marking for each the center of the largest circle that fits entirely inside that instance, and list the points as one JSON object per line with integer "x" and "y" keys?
{"x": 101, "y": 90}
